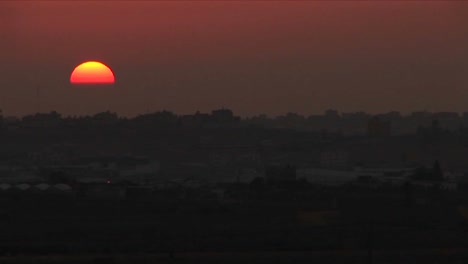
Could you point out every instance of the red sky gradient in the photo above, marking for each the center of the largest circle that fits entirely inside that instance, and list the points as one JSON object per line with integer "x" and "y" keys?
{"x": 253, "y": 57}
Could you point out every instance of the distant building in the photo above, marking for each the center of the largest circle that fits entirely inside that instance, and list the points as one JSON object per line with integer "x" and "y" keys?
{"x": 280, "y": 174}
{"x": 332, "y": 114}
{"x": 291, "y": 121}
{"x": 11, "y": 122}
{"x": 378, "y": 128}
{"x": 393, "y": 115}
{"x": 102, "y": 191}
{"x": 421, "y": 118}
{"x": 139, "y": 171}
{"x": 354, "y": 123}
{"x": 330, "y": 177}
{"x": 190, "y": 121}
{"x": 448, "y": 120}
{"x": 334, "y": 159}
{"x": 465, "y": 117}
{"x": 222, "y": 116}
{"x": 134, "y": 169}
{"x": 445, "y": 115}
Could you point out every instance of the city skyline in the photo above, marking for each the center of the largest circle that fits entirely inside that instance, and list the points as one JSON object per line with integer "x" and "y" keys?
{"x": 233, "y": 131}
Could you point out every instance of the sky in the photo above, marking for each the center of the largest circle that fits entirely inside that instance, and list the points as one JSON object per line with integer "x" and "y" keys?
{"x": 254, "y": 57}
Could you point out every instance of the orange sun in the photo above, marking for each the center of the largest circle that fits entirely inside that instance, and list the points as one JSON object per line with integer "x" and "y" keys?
{"x": 92, "y": 72}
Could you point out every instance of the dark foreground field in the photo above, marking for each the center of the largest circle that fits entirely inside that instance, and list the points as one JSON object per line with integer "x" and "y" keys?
{"x": 323, "y": 257}
{"x": 357, "y": 228}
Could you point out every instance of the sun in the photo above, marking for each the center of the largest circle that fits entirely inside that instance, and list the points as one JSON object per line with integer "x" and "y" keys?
{"x": 92, "y": 72}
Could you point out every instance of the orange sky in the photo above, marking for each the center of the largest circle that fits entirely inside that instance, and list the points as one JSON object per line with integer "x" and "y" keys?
{"x": 254, "y": 57}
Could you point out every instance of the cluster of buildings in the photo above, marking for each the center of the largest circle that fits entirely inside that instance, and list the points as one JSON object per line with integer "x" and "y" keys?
{"x": 346, "y": 124}
{"x": 164, "y": 151}
{"x": 217, "y": 118}
{"x": 118, "y": 178}
{"x": 361, "y": 123}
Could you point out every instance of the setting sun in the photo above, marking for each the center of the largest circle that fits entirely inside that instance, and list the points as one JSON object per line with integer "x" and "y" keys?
{"x": 92, "y": 72}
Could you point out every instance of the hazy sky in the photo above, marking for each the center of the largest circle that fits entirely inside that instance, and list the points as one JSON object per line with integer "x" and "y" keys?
{"x": 252, "y": 57}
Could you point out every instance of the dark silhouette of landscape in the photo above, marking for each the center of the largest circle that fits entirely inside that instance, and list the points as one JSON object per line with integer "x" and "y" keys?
{"x": 233, "y": 132}
{"x": 162, "y": 187}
